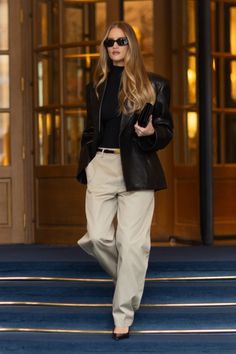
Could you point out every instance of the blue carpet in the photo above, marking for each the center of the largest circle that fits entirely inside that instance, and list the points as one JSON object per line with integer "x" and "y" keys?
{"x": 93, "y": 270}
{"x": 32, "y": 343}
{"x": 43, "y": 253}
{"x": 34, "y": 260}
{"x": 87, "y": 318}
{"x": 154, "y": 292}
{"x": 73, "y": 262}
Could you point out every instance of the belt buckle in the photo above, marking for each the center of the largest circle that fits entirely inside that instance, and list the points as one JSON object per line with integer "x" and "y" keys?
{"x": 107, "y": 150}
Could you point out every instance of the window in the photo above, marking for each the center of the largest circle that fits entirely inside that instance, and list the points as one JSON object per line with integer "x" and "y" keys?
{"x": 139, "y": 14}
{"x": 184, "y": 69}
{"x": 67, "y": 34}
{"x": 4, "y": 86}
{"x": 223, "y": 15}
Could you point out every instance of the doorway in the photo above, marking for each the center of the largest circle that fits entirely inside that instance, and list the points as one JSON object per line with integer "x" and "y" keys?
{"x": 12, "y": 144}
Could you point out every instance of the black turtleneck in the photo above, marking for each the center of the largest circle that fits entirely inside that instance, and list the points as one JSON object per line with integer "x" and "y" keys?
{"x": 111, "y": 117}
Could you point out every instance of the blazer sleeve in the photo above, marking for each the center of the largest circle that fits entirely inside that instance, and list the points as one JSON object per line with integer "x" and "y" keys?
{"x": 161, "y": 120}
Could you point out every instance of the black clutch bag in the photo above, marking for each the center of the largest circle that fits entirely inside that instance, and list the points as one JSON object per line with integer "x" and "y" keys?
{"x": 144, "y": 115}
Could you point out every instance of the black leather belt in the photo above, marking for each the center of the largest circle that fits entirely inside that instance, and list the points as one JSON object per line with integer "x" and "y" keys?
{"x": 109, "y": 151}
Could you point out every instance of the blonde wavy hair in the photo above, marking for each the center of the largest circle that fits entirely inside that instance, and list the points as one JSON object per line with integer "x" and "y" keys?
{"x": 136, "y": 88}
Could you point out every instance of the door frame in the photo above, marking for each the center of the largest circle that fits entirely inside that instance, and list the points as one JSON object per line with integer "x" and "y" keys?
{"x": 16, "y": 176}
{"x": 27, "y": 111}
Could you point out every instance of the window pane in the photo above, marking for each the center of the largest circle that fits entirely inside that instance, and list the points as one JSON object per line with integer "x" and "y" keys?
{"x": 216, "y": 87}
{"x": 179, "y": 150}
{"x": 4, "y": 81}
{"x": 84, "y": 21}
{"x": 78, "y": 67}
{"x": 140, "y": 15}
{"x": 230, "y": 83}
{"x": 178, "y": 80}
{"x": 215, "y": 21}
{"x": 192, "y": 138}
{"x": 48, "y": 78}
{"x": 184, "y": 82}
{"x": 186, "y": 138}
{"x": 233, "y": 30}
{"x": 47, "y": 22}
{"x": 100, "y": 20}
{"x": 191, "y": 80}
{"x": 217, "y": 141}
{"x": 4, "y": 139}
{"x": 74, "y": 121}
{"x": 233, "y": 80}
{"x": 49, "y": 138}
{"x": 4, "y": 25}
{"x": 230, "y": 138}
{"x": 191, "y": 18}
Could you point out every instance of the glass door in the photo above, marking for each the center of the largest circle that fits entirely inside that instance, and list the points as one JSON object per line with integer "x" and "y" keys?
{"x": 12, "y": 213}
{"x": 185, "y": 113}
{"x": 223, "y": 15}
{"x": 66, "y": 36}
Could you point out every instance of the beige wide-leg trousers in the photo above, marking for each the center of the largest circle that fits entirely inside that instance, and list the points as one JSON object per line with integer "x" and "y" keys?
{"x": 122, "y": 251}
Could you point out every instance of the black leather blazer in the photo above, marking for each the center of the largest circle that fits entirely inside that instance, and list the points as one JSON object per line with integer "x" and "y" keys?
{"x": 141, "y": 166}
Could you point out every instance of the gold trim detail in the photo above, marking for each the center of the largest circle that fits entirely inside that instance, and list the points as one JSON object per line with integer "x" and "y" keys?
{"x": 105, "y": 280}
{"x": 66, "y": 304}
{"x": 97, "y": 280}
{"x": 196, "y": 304}
{"x": 217, "y": 277}
{"x": 52, "y": 330}
{"x": 55, "y": 304}
{"x": 154, "y": 331}
{"x": 186, "y": 331}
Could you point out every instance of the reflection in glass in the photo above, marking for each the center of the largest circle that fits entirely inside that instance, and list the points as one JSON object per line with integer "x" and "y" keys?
{"x": 4, "y": 139}
{"x": 78, "y": 68}
{"x": 230, "y": 62}
{"x": 191, "y": 18}
{"x": 49, "y": 133}
{"x": 4, "y": 25}
{"x": 74, "y": 121}
{"x": 229, "y": 82}
{"x": 191, "y": 78}
{"x": 186, "y": 138}
{"x": 233, "y": 79}
{"x": 184, "y": 83}
{"x": 192, "y": 130}
{"x": 233, "y": 30}
{"x": 140, "y": 15}
{"x": 48, "y": 78}
{"x": 230, "y": 138}
{"x": 215, "y": 82}
{"x": 4, "y": 81}
{"x": 84, "y": 21}
{"x": 73, "y": 23}
{"x": 47, "y": 27}
{"x": 100, "y": 20}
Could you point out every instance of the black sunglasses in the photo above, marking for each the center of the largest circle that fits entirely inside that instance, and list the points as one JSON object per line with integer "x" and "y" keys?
{"x": 122, "y": 41}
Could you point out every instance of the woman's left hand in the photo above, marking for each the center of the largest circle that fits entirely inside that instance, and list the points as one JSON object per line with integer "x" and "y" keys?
{"x": 148, "y": 130}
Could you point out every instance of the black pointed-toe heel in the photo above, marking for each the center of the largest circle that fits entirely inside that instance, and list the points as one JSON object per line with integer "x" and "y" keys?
{"x": 118, "y": 336}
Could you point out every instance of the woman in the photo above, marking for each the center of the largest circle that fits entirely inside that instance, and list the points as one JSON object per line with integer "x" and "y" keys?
{"x": 118, "y": 161}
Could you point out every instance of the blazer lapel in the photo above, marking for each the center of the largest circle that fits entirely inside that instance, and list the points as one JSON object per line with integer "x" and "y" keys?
{"x": 101, "y": 91}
